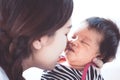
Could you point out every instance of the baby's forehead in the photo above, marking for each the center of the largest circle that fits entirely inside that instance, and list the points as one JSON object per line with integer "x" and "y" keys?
{"x": 80, "y": 30}
{"x": 87, "y": 32}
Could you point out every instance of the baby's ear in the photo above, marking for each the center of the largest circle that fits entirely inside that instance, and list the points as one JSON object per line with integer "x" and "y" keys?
{"x": 99, "y": 56}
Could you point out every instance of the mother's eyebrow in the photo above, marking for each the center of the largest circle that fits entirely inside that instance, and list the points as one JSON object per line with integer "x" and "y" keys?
{"x": 69, "y": 26}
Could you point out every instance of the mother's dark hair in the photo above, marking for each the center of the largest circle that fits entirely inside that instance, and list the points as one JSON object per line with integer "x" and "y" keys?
{"x": 23, "y": 21}
{"x": 111, "y": 36}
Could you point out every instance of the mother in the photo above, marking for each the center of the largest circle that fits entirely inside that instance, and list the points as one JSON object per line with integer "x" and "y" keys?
{"x": 32, "y": 34}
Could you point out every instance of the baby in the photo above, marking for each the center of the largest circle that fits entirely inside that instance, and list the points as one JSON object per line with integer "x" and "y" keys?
{"x": 95, "y": 38}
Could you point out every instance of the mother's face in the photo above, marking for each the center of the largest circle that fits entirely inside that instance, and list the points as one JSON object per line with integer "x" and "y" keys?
{"x": 47, "y": 49}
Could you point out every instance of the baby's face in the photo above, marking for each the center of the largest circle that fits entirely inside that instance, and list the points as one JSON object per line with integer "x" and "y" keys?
{"x": 83, "y": 47}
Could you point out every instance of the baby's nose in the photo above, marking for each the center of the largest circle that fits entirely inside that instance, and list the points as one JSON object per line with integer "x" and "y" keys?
{"x": 74, "y": 38}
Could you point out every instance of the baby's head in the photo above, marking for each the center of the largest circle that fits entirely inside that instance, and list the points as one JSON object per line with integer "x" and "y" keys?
{"x": 98, "y": 37}
{"x": 111, "y": 36}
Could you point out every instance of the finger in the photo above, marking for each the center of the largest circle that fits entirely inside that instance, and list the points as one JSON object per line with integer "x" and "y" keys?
{"x": 98, "y": 62}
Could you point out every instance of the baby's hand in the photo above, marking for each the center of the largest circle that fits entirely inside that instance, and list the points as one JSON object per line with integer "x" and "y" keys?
{"x": 98, "y": 62}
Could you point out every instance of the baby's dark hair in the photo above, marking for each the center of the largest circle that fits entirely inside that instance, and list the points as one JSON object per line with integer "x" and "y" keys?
{"x": 111, "y": 36}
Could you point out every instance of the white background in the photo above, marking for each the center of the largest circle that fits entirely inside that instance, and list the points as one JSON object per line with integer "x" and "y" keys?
{"x": 89, "y": 8}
